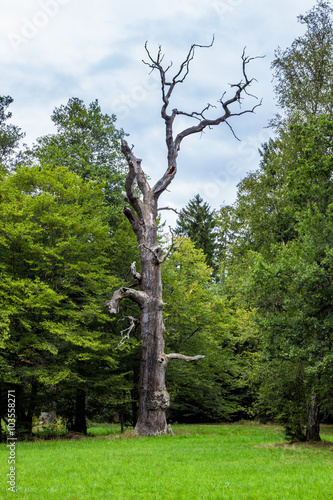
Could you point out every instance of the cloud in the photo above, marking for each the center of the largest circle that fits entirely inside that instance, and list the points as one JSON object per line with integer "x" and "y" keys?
{"x": 66, "y": 48}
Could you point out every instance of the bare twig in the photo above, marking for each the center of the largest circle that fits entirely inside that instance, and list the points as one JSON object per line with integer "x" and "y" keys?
{"x": 169, "y": 208}
{"x": 125, "y": 334}
{"x": 172, "y": 246}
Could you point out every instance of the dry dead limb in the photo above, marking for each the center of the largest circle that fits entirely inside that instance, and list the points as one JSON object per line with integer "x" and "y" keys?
{"x": 125, "y": 334}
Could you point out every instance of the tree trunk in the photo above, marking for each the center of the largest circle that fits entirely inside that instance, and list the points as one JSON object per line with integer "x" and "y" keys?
{"x": 25, "y": 407}
{"x": 135, "y": 395}
{"x": 153, "y": 397}
{"x": 80, "y": 424}
{"x": 313, "y": 427}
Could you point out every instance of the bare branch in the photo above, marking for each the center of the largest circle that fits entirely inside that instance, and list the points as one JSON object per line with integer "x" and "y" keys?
{"x": 125, "y": 293}
{"x": 167, "y": 88}
{"x": 169, "y": 208}
{"x": 182, "y": 357}
{"x": 172, "y": 246}
{"x": 179, "y": 77}
{"x": 194, "y": 114}
{"x": 186, "y": 64}
{"x": 241, "y": 88}
{"x": 173, "y": 145}
{"x": 134, "y": 220}
{"x": 164, "y": 182}
{"x": 125, "y": 334}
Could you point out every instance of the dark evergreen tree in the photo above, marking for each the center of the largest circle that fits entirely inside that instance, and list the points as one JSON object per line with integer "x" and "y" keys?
{"x": 197, "y": 221}
{"x": 10, "y": 135}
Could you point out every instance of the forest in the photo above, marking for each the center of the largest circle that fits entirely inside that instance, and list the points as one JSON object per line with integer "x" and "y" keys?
{"x": 247, "y": 288}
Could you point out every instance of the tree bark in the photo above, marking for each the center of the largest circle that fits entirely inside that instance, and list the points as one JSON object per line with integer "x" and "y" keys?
{"x": 153, "y": 397}
{"x": 313, "y": 426}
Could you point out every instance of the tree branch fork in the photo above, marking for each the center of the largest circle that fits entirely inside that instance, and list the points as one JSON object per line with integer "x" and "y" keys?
{"x": 136, "y": 175}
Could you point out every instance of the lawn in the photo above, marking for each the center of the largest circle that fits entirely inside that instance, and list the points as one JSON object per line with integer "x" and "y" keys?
{"x": 205, "y": 462}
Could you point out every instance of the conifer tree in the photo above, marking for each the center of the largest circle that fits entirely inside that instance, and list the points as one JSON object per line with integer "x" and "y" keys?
{"x": 197, "y": 221}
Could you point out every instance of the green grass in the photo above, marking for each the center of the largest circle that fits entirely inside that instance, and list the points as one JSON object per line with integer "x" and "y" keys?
{"x": 200, "y": 462}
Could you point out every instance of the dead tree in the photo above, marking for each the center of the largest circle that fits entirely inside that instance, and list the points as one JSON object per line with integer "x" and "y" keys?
{"x": 142, "y": 211}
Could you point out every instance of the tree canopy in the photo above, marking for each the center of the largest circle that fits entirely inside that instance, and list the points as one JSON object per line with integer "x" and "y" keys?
{"x": 303, "y": 72}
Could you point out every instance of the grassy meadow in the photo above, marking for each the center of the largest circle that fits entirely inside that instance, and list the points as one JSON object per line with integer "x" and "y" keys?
{"x": 238, "y": 461}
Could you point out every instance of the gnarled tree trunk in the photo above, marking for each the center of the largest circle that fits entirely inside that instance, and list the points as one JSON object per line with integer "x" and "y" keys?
{"x": 142, "y": 214}
{"x": 153, "y": 397}
{"x": 313, "y": 427}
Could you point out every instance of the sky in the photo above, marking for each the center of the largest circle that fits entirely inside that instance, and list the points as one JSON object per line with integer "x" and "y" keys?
{"x": 52, "y": 50}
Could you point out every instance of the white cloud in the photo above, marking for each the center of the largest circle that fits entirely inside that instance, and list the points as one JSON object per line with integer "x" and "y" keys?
{"x": 94, "y": 50}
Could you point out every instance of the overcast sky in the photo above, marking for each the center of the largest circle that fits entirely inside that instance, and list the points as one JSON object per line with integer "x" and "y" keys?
{"x": 52, "y": 50}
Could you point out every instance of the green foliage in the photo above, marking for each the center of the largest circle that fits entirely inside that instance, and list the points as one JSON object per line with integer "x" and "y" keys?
{"x": 200, "y": 320}
{"x": 287, "y": 274}
{"x": 282, "y": 395}
{"x": 69, "y": 246}
{"x": 303, "y": 72}
{"x": 54, "y": 279}
{"x": 87, "y": 143}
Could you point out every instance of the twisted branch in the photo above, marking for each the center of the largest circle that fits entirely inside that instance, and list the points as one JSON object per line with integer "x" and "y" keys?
{"x": 125, "y": 334}
{"x": 135, "y": 173}
{"x": 125, "y": 293}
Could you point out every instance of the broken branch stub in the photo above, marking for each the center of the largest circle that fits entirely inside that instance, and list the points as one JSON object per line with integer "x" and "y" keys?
{"x": 165, "y": 358}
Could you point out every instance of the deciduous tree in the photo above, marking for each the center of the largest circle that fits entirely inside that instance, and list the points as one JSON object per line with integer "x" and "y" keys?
{"x": 87, "y": 142}
{"x": 303, "y": 72}
{"x": 54, "y": 245}
{"x": 287, "y": 273}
